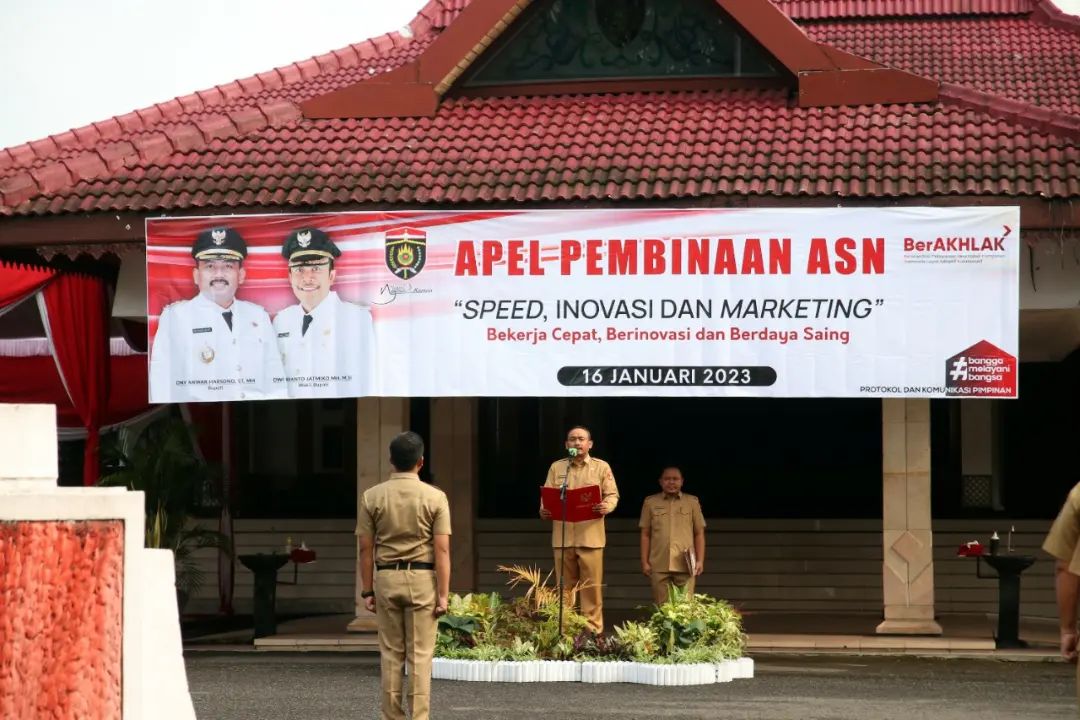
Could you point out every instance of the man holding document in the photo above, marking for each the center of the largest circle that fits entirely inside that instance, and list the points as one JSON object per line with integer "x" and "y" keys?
{"x": 672, "y": 537}
{"x": 591, "y": 494}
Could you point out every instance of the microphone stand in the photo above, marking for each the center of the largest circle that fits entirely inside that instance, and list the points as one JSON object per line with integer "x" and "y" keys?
{"x": 562, "y": 546}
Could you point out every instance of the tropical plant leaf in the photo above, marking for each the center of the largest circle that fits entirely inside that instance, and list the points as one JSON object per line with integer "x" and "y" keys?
{"x": 162, "y": 464}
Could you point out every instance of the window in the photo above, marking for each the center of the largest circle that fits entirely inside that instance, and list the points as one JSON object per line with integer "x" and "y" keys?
{"x": 574, "y": 40}
{"x": 296, "y": 459}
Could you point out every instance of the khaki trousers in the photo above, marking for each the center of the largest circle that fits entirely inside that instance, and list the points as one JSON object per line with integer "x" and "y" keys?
{"x": 586, "y": 564}
{"x": 661, "y": 581}
{"x": 405, "y": 611}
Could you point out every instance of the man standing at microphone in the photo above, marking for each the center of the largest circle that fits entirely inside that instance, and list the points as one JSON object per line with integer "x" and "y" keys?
{"x": 582, "y": 551}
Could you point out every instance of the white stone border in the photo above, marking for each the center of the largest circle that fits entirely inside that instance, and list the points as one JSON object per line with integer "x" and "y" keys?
{"x": 591, "y": 672}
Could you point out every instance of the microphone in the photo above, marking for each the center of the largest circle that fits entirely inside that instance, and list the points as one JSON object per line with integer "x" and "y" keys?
{"x": 570, "y": 453}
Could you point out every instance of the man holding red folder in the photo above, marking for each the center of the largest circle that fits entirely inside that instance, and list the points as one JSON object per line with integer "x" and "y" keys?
{"x": 583, "y": 554}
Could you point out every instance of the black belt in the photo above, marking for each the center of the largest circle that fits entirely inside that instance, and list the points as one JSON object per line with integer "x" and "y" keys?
{"x": 401, "y": 565}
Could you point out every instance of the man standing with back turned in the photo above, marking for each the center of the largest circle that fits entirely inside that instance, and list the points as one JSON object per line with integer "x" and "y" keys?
{"x": 1062, "y": 543}
{"x": 583, "y": 555}
{"x": 404, "y": 529}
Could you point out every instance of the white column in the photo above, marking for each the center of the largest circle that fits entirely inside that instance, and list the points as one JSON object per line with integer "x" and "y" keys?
{"x": 454, "y": 471}
{"x": 908, "y": 566}
{"x": 28, "y": 457}
{"x": 378, "y": 420}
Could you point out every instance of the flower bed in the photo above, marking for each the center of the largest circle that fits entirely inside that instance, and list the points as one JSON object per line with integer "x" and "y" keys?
{"x": 688, "y": 640}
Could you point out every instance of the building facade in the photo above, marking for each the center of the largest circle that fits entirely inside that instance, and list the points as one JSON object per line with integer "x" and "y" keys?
{"x": 846, "y": 505}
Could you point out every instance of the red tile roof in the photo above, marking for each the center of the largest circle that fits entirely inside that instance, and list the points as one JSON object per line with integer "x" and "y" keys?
{"x": 631, "y": 146}
{"x": 264, "y": 92}
{"x": 1019, "y": 58}
{"x": 807, "y": 9}
{"x": 1016, "y": 131}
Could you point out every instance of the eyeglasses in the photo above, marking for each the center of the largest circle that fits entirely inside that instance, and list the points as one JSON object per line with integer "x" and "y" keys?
{"x": 220, "y": 265}
{"x": 315, "y": 268}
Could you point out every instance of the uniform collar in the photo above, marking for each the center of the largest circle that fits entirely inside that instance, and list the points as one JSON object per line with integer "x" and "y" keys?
{"x": 209, "y": 304}
{"x": 326, "y": 307}
{"x": 401, "y": 475}
{"x": 586, "y": 460}
{"x": 676, "y": 496}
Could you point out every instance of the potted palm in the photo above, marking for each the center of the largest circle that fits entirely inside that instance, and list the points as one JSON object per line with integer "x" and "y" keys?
{"x": 163, "y": 464}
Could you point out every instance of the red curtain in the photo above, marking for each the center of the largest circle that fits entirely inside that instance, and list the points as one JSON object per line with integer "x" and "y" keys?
{"x": 35, "y": 380}
{"x": 18, "y": 281}
{"x": 78, "y": 323}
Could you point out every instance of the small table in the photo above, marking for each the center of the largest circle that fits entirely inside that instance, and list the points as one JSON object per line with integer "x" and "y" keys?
{"x": 265, "y": 567}
{"x": 1008, "y": 569}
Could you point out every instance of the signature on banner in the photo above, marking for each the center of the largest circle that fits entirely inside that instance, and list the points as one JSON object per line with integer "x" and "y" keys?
{"x": 388, "y": 293}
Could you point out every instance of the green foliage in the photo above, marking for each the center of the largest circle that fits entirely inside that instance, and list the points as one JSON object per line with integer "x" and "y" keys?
{"x": 468, "y": 618}
{"x": 697, "y": 654}
{"x": 163, "y": 464}
{"x": 638, "y": 640}
{"x": 688, "y": 621}
{"x": 456, "y": 632}
{"x": 488, "y": 652}
{"x": 522, "y": 650}
{"x": 685, "y": 629}
{"x": 590, "y": 646}
{"x": 547, "y": 636}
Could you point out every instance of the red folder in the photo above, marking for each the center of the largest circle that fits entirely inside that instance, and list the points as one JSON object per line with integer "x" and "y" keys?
{"x": 579, "y": 502}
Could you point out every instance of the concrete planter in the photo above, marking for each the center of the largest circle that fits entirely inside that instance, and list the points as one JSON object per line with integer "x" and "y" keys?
{"x": 516, "y": 672}
{"x": 603, "y": 672}
{"x": 670, "y": 675}
{"x": 745, "y": 668}
{"x": 592, "y": 672}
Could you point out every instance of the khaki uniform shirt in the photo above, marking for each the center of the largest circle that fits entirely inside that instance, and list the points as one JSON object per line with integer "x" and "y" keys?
{"x": 1061, "y": 542}
{"x": 672, "y": 523}
{"x": 594, "y": 471}
{"x": 402, "y": 515}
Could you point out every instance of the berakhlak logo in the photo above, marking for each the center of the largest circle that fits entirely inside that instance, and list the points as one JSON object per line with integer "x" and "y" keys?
{"x": 983, "y": 370}
{"x": 406, "y": 251}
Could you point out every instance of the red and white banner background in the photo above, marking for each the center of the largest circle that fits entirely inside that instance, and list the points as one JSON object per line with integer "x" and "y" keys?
{"x": 848, "y": 302}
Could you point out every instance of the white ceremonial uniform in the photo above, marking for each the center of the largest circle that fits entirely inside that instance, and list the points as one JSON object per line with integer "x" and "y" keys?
{"x": 334, "y": 358}
{"x": 196, "y": 357}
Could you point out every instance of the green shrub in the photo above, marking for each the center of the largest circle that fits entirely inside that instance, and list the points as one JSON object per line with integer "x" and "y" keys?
{"x": 687, "y": 621}
{"x": 522, "y": 650}
{"x": 638, "y": 640}
{"x": 685, "y": 629}
{"x": 468, "y": 619}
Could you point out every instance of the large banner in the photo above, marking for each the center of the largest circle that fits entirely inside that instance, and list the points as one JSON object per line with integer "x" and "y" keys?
{"x": 875, "y": 302}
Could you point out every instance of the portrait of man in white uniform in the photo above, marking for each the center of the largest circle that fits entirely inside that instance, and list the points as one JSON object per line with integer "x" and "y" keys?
{"x": 326, "y": 343}
{"x": 213, "y": 346}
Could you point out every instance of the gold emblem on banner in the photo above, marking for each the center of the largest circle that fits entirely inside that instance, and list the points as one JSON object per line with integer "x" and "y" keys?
{"x": 207, "y": 354}
{"x": 406, "y": 251}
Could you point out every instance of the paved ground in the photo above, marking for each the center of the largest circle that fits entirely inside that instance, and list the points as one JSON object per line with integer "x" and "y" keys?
{"x": 331, "y": 686}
